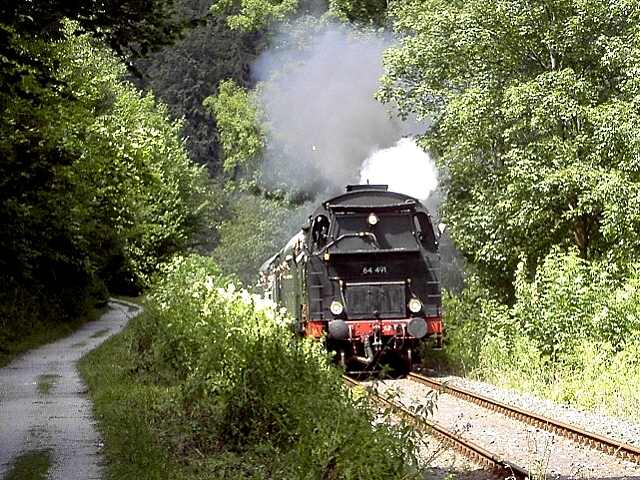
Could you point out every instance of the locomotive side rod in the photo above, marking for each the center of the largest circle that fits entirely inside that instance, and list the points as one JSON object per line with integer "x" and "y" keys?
{"x": 579, "y": 435}
{"x": 499, "y": 467}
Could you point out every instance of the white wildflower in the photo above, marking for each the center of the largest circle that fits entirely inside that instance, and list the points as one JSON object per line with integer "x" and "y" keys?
{"x": 246, "y": 297}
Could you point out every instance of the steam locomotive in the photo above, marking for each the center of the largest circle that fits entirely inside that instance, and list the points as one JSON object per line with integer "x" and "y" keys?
{"x": 363, "y": 274}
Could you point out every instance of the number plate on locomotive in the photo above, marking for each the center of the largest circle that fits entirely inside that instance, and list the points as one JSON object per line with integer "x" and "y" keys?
{"x": 374, "y": 270}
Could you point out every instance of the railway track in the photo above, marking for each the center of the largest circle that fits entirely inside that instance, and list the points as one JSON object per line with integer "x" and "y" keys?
{"x": 497, "y": 465}
{"x": 584, "y": 437}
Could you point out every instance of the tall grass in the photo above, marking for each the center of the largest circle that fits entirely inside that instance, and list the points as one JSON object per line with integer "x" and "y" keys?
{"x": 572, "y": 335}
{"x": 239, "y": 385}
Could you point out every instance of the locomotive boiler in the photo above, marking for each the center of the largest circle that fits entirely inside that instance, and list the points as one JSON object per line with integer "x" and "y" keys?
{"x": 363, "y": 274}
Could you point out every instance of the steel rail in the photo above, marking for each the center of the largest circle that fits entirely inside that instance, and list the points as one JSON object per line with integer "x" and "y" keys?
{"x": 498, "y": 466}
{"x": 579, "y": 435}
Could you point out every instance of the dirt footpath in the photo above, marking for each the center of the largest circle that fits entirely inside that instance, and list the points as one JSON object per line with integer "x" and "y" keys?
{"x": 44, "y": 405}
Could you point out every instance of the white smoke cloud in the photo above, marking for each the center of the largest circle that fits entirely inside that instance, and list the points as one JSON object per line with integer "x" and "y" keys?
{"x": 318, "y": 100}
{"x": 405, "y": 167}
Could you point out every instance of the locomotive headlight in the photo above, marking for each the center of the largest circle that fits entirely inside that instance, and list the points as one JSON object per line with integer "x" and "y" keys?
{"x": 372, "y": 219}
{"x": 336, "y": 308}
{"x": 415, "y": 305}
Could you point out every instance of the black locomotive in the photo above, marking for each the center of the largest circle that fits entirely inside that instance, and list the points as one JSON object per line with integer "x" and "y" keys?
{"x": 363, "y": 273}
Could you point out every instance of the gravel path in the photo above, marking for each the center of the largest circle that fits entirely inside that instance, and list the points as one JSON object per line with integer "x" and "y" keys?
{"x": 529, "y": 447}
{"x": 44, "y": 406}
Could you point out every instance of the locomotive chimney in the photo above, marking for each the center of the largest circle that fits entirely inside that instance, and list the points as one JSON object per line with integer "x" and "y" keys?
{"x": 367, "y": 186}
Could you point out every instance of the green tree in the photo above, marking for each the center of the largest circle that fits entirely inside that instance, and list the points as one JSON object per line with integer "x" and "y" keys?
{"x": 360, "y": 11}
{"x": 256, "y": 229}
{"x": 241, "y": 134}
{"x": 254, "y": 14}
{"x": 130, "y": 27}
{"x": 97, "y": 186}
{"x": 534, "y": 121}
{"x": 130, "y": 166}
{"x": 182, "y": 75}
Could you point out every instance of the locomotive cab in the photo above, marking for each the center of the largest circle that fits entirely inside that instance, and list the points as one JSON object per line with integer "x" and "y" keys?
{"x": 366, "y": 277}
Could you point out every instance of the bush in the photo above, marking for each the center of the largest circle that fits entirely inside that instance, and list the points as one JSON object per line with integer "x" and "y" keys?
{"x": 247, "y": 386}
{"x": 599, "y": 376}
{"x": 573, "y": 334}
{"x": 471, "y": 318}
{"x": 97, "y": 185}
{"x": 557, "y": 308}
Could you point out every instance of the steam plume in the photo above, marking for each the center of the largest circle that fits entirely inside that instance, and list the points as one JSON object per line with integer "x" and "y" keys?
{"x": 405, "y": 167}
{"x": 318, "y": 101}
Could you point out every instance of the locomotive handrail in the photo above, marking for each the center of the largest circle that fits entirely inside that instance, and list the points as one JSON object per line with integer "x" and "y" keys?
{"x": 351, "y": 235}
{"x": 391, "y": 282}
{"x": 380, "y": 250}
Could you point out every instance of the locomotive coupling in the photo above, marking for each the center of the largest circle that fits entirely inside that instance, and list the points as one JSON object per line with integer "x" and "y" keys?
{"x": 368, "y": 352}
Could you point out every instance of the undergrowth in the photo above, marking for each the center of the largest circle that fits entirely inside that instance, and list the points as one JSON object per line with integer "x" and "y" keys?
{"x": 215, "y": 385}
{"x": 125, "y": 407}
{"x": 31, "y": 465}
{"x": 572, "y": 335}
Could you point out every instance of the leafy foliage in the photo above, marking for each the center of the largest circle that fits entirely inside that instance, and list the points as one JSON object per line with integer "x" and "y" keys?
{"x": 97, "y": 185}
{"x": 534, "y": 120}
{"x": 571, "y": 334}
{"x": 131, "y": 28}
{"x": 232, "y": 356}
{"x": 360, "y": 11}
{"x": 256, "y": 229}
{"x": 254, "y": 14}
{"x": 533, "y": 116}
{"x": 241, "y": 135}
{"x": 182, "y": 75}
{"x": 125, "y": 24}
